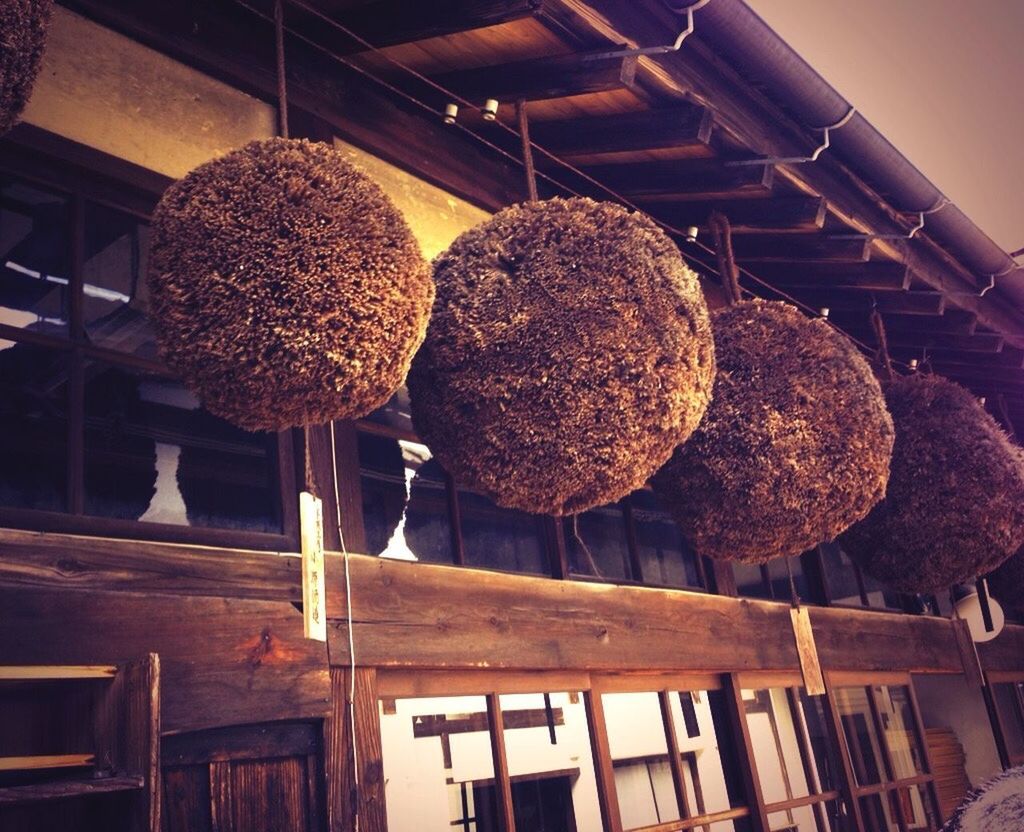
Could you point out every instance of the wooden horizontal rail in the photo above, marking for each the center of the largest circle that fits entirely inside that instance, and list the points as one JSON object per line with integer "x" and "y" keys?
{"x": 35, "y": 792}
{"x": 798, "y": 802}
{"x": 47, "y": 672}
{"x": 697, "y": 820}
{"x": 46, "y": 761}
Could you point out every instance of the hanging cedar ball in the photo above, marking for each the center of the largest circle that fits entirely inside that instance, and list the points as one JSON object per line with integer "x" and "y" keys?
{"x": 955, "y": 504}
{"x": 996, "y": 806}
{"x": 286, "y": 287}
{"x": 569, "y": 352}
{"x": 795, "y": 446}
{"x": 23, "y": 26}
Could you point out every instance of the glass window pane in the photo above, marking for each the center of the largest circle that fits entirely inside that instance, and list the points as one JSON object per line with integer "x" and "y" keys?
{"x": 664, "y": 557}
{"x": 33, "y": 426}
{"x": 861, "y": 736}
{"x": 700, "y": 743}
{"x": 750, "y": 582}
{"x": 840, "y": 575}
{"x": 152, "y": 454}
{"x": 878, "y": 813}
{"x": 897, "y": 717}
{"x": 826, "y": 766}
{"x": 917, "y": 808}
{"x": 773, "y": 736}
{"x": 547, "y": 745}
{"x": 405, "y": 500}
{"x": 115, "y": 302}
{"x": 500, "y": 538}
{"x": 1008, "y": 703}
{"x": 35, "y": 235}
{"x": 604, "y": 552}
{"x": 879, "y": 595}
{"x": 639, "y": 752}
{"x": 437, "y": 764}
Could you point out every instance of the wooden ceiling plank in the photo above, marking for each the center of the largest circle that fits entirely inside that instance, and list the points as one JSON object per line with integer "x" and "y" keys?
{"x": 679, "y": 126}
{"x": 544, "y": 78}
{"x": 747, "y": 216}
{"x": 798, "y": 248}
{"x": 930, "y": 304}
{"x": 872, "y": 276}
{"x": 698, "y": 180}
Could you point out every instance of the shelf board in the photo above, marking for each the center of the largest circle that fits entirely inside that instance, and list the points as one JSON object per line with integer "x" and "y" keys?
{"x": 43, "y": 672}
{"x": 68, "y": 788}
{"x": 46, "y": 761}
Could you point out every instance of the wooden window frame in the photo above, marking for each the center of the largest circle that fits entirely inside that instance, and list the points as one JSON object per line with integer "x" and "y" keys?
{"x": 890, "y": 785}
{"x": 82, "y": 175}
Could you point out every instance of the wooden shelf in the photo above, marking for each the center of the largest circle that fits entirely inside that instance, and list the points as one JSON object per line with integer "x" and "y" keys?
{"x": 44, "y": 761}
{"x": 16, "y": 673}
{"x": 68, "y": 788}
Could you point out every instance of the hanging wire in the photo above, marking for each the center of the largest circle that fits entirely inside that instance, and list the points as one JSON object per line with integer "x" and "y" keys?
{"x": 455, "y": 97}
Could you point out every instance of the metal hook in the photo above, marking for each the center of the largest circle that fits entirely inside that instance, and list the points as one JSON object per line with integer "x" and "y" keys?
{"x": 799, "y": 160}
{"x": 992, "y": 278}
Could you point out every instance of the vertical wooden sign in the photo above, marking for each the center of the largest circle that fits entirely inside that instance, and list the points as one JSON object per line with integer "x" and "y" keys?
{"x": 314, "y": 605}
{"x": 814, "y": 682}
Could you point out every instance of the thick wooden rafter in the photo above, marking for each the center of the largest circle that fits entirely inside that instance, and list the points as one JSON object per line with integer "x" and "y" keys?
{"x": 875, "y": 276}
{"x": 675, "y": 179}
{"x": 746, "y": 216}
{"x": 671, "y": 127}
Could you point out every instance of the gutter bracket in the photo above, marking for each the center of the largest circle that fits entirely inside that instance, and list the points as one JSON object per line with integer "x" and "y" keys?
{"x": 798, "y": 160}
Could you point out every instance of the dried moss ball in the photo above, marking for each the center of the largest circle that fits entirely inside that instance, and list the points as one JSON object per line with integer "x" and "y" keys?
{"x": 795, "y": 446}
{"x": 955, "y": 504}
{"x": 1006, "y": 584}
{"x": 23, "y": 26}
{"x": 569, "y": 352}
{"x": 287, "y": 289}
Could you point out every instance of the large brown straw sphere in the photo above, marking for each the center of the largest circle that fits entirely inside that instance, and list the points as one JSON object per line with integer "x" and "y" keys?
{"x": 23, "y": 26}
{"x": 955, "y": 504}
{"x": 1006, "y": 584}
{"x": 569, "y": 352}
{"x": 795, "y": 446}
{"x": 287, "y": 289}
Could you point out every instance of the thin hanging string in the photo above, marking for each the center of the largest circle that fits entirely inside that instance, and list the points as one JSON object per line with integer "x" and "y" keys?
{"x": 721, "y": 230}
{"x": 282, "y": 84}
{"x": 454, "y": 97}
{"x": 351, "y": 639}
{"x": 882, "y": 353}
{"x": 524, "y": 139}
{"x": 1004, "y": 416}
{"x": 591, "y": 564}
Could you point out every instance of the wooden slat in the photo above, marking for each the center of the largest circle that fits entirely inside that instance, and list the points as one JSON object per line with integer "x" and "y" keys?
{"x": 604, "y": 773}
{"x": 1003, "y": 657}
{"x": 741, "y": 732}
{"x": 641, "y": 682}
{"x": 223, "y": 660}
{"x": 44, "y": 559}
{"x": 542, "y": 78}
{"x": 404, "y": 684}
{"x": 675, "y": 759}
{"x": 45, "y": 761}
{"x": 668, "y": 127}
{"x": 425, "y": 615}
{"x": 62, "y": 789}
{"x": 51, "y": 672}
{"x": 696, "y": 179}
{"x": 912, "y": 303}
{"x": 798, "y": 248}
{"x": 747, "y": 216}
{"x": 502, "y": 783}
{"x": 973, "y": 676}
{"x": 245, "y": 742}
{"x": 872, "y": 276}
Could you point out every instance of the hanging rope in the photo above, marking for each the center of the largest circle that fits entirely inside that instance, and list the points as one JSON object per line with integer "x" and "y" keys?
{"x": 721, "y": 231}
{"x": 282, "y": 86}
{"x": 524, "y": 139}
{"x": 794, "y": 596}
{"x": 882, "y": 355}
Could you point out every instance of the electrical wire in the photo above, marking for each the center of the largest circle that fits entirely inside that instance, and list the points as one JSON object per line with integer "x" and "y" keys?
{"x": 455, "y": 97}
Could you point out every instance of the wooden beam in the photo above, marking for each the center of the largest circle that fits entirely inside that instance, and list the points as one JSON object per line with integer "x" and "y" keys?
{"x": 914, "y": 328}
{"x": 798, "y": 248}
{"x": 604, "y": 771}
{"x": 392, "y": 22}
{"x": 53, "y": 672}
{"x": 854, "y": 300}
{"x": 694, "y": 179}
{"x": 871, "y": 276}
{"x": 45, "y": 761}
{"x": 502, "y": 783}
{"x": 223, "y": 661}
{"x": 669, "y": 127}
{"x": 425, "y": 615}
{"x": 700, "y": 75}
{"x": 1009, "y": 378}
{"x": 538, "y": 79}
{"x": 747, "y": 216}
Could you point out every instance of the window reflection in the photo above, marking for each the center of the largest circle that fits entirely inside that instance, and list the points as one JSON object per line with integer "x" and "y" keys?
{"x": 34, "y": 258}
{"x": 861, "y": 735}
{"x": 33, "y": 427}
{"x": 500, "y": 538}
{"x": 664, "y": 557}
{"x": 595, "y": 543}
{"x": 152, "y": 454}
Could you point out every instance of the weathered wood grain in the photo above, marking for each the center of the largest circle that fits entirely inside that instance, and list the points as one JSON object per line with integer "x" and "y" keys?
{"x": 223, "y": 661}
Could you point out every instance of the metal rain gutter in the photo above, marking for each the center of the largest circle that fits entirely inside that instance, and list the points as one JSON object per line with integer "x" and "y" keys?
{"x": 754, "y": 49}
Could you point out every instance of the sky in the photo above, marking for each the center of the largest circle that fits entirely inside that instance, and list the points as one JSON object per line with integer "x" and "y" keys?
{"x": 943, "y": 80}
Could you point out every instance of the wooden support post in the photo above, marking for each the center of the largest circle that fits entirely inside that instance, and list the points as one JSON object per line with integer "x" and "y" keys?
{"x": 603, "y": 771}
{"x": 502, "y": 783}
{"x": 741, "y": 733}
{"x": 675, "y": 759}
{"x": 346, "y": 797}
{"x": 810, "y": 666}
{"x": 837, "y": 738}
{"x": 314, "y": 604}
